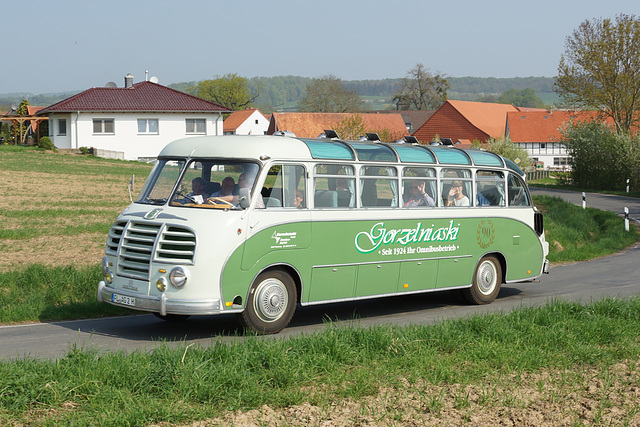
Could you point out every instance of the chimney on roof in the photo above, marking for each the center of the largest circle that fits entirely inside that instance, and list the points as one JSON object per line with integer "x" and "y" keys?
{"x": 128, "y": 80}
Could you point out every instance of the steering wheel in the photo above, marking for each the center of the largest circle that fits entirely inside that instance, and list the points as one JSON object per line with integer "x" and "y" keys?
{"x": 217, "y": 199}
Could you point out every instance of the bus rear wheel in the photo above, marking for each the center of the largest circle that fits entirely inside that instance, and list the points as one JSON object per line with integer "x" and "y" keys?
{"x": 486, "y": 282}
{"x": 271, "y": 302}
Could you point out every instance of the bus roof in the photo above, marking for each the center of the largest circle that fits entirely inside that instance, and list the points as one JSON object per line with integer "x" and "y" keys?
{"x": 293, "y": 148}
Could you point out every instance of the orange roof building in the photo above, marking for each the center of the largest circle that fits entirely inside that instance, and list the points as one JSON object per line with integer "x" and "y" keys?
{"x": 539, "y": 133}
{"x": 466, "y": 120}
{"x": 542, "y": 126}
{"x": 311, "y": 125}
{"x": 246, "y": 122}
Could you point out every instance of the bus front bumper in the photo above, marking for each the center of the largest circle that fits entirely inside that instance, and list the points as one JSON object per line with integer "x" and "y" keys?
{"x": 160, "y": 304}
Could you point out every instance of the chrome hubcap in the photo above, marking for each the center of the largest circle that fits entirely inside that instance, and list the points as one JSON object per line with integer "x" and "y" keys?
{"x": 486, "y": 278}
{"x": 270, "y": 300}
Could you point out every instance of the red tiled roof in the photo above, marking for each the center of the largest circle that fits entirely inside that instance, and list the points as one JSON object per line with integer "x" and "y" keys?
{"x": 143, "y": 96}
{"x": 237, "y": 118}
{"x": 311, "y": 125}
{"x": 466, "y": 120}
{"x": 543, "y": 126}
{"x": 32, "y": 110}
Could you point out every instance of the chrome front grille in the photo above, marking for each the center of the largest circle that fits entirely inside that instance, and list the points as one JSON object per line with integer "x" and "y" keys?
{"x": 176, "y": 245}
{"x": 137, "y": 243}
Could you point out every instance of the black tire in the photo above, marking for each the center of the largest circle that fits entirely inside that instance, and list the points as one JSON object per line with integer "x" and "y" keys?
{"x": 271, "y": 302}
{"x": 486, "y": 282}
{"x": 172, "y": 317}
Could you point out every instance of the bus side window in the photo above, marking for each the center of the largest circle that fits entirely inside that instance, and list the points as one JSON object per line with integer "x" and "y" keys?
{"x": 490, "y": 188}
{"x": 379, "y": 186}
{"x": 517, "y": 192}
{"x": 456, "y": 187}
{"x": 334, "y": 186}
{"x": 285, "y": 187}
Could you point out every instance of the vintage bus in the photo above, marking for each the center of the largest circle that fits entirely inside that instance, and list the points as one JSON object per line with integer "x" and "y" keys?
{"x": 256, "y": 225}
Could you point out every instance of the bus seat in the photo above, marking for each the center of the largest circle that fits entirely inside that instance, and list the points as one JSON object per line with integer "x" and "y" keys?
{"x": 516, "y": 196}
{"x": 211, "y": 187}
{"x": 369, "y": 193}
{"x": 493, "y": 196}
{"x": 344, "y": 199}
{"x": 326, "y": 199}
{"x": 272, "y": 202}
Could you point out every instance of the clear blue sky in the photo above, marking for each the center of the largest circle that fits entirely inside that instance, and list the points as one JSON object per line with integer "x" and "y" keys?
{"x": 66, "y": 45}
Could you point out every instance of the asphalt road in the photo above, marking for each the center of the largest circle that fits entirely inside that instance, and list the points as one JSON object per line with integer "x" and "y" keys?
{"x": 616, "y": 276}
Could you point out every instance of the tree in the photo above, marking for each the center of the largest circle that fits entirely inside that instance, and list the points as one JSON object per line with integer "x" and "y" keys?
{"x": 230, "y": 90}
{"x": 601, "y": 158}
{"x": 505, "y": 148}
{"x": 521, "y": 98}
{"x": 421, "y": 90}
{"x": 327, "y": 94}
{"x": 351, "y": 127}
{"x": 600, "y": 69}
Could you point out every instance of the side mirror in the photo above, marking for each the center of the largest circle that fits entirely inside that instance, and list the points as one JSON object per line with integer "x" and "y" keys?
{"x": 245, "y": 198}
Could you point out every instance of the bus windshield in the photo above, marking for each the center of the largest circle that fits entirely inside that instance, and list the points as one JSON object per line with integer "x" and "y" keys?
{"x": 198, "y": 183}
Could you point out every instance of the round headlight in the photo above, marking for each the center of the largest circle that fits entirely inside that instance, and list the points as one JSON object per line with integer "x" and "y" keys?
{"x": 105, "y": 266}
{"x": 161, "y": 284}
{"x": 178, "y": 277}
{"x": 108, "y": 277}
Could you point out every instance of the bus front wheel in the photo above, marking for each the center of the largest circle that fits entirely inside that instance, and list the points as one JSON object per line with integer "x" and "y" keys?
{"x": 486, "y": 282}
{"x": 271, "y": 302}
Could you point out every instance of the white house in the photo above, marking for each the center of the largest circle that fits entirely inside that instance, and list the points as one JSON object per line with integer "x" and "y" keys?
{"x": 137, "y": 120}
{"x": 246, "y": 122}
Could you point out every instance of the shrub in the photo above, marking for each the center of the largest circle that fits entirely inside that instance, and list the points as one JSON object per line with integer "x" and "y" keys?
{"x": 601, "y": 158}
{"x": 45, "y": 143}
{"x": 84, "y": 150}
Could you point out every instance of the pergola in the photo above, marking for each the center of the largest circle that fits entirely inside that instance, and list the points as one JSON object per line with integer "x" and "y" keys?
{"x": 19, "y": 120}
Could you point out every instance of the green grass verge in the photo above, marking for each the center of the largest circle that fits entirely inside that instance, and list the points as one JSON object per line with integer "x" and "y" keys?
{"x": 178, "y": 385}
{"x": 577, "y": 234}
{"x": 40, "y": 293}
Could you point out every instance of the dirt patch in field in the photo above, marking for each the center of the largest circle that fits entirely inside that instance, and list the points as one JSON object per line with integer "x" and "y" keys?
{"x": 82, "y": 249}
{"x": 556, "y": 398}
{"x": 38, "y": 208}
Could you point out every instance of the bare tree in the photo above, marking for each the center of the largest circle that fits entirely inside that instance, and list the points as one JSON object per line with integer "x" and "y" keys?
{"x": 327, "y": 94}
{"x": 421, "y": 90}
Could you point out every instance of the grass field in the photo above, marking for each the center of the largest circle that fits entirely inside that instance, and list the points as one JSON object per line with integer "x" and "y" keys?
{"x": 562, "y": 364}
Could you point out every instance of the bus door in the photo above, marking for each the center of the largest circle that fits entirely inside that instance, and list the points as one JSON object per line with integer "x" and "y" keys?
{"x": 279, "y": 230}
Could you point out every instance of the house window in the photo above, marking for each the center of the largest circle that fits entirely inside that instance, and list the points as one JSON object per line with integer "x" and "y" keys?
{"x": 196, "y": 126}
{"x": 148, "y": 126}
{"x": 103, "y": 126}
{"x": 62, "y": 127}
{"x": 256, "y": 121}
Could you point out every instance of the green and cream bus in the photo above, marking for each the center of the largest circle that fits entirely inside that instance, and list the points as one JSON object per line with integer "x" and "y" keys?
{"x": 256, "y": 225}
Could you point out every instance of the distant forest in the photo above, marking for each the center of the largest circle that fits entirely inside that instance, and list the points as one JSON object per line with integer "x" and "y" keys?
{"x": 281, "y": 93}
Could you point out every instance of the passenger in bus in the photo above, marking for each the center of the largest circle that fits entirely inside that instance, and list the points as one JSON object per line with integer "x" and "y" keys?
{"x": 226, "y": 188}
{"x": 244, "y": 181}
{"x": 418, "y": 196}
{"x": 299, "y": 200}
{"x": 456, "y": 195}
{"x": 197, "y": 194}
{"x": 482, "y": 201}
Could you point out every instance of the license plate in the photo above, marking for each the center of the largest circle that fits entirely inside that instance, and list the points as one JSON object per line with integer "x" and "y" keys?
{"x": 123, "y": 299}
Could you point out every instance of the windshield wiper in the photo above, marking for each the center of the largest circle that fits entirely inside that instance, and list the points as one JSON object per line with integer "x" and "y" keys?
{"x": 155, "y": 201}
